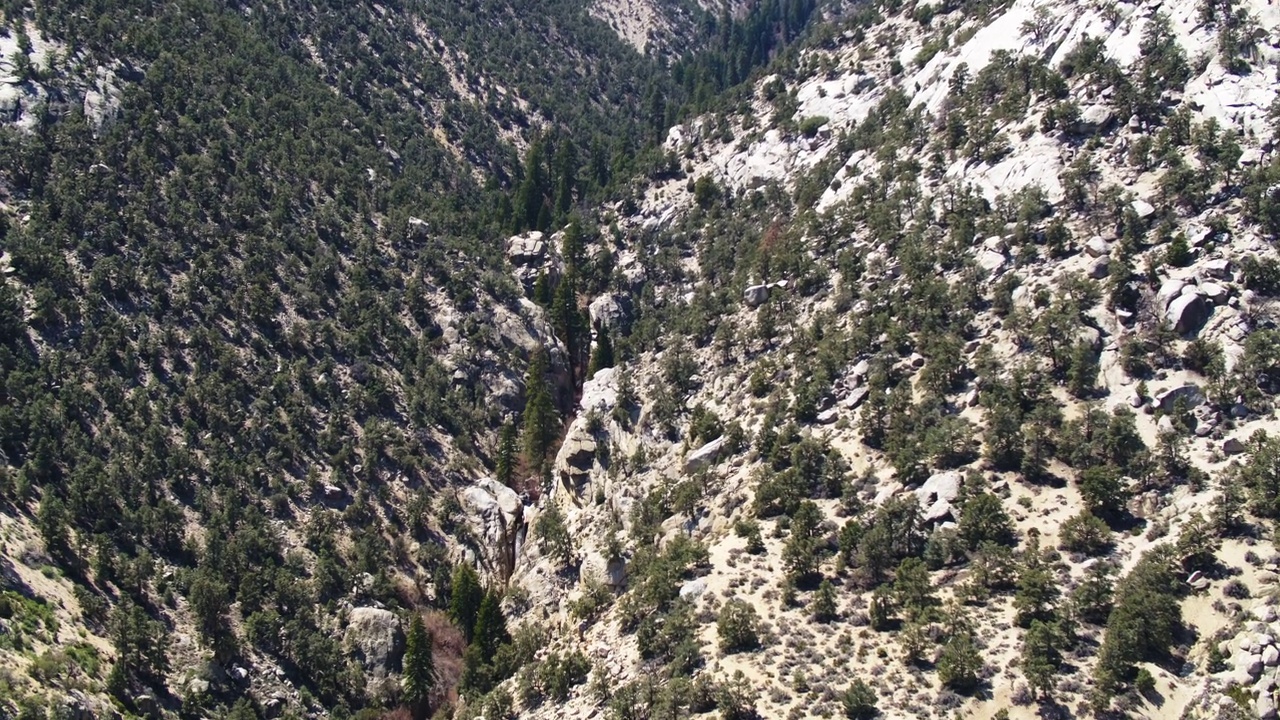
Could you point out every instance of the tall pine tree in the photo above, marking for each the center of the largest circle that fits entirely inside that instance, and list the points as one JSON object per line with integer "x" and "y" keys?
{"x": 539, "y": 411}
{"x": 531, "y": 196}
{"x": 491, "y": 627}
{"x": 602, "y": 356}
{"x": 465, "y": 602}
{"x": 506, "y": 466}
{"x": 568, "y": 321}
{"x": 419, "y": 669}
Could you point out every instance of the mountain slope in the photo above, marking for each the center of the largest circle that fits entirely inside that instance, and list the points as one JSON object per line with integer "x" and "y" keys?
{"x": 258, "y": 328}
{"x": 923, "y": 372}
{"x": 990, "y": 285}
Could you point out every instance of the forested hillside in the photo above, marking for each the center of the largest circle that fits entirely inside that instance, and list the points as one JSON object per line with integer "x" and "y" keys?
{"x": 257, "y": 325}
{"x": 629, "y": 360}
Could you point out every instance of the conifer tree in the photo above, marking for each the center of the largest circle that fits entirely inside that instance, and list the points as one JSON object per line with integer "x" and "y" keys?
{"x": 507, "y": 455}
{"x": 539, "y": 411}
{"x": 824, "y": 602}
{"x": 1037, "y": 588}
{"x": 542, "y": 290}
{"x": 602, "y": 357}
{"x": 467, "y": 595}
{"x": 566, "y": 172}
{"x": 531, "y": 205}
{"x": 960, "y": 663}
{"x": 419, "y": 669}
{"x": 491, "y": 627}
{"x": 553, "y": 536}
{"x": 1040, "y": 658}
{"x": 567, "y": 320}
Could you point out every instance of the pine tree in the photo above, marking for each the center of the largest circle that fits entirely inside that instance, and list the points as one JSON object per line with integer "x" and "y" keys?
{"x": 824, "y": 602}
{"x": 602, "y": 357}
{"x": 1037, "y": 588}
{"x": 875, "y": 411}
{"x": 1101, "y": 489}
{"x": 1040, "y": 657}
{"x": 1082, "y": 374}
{"x": 912, "y": 587}
{"x": 983, "y": 519}
{"x": 419, "y": 669}
{"x": 53, "y": 522}
{"x": 539, "y": 411}
{"x": 531, "y": 197}
{"x": 553, "y": 537}
{"x": 573, "y": 248}
{"x": 960, "y": 664}
{"x": 566, "y": 172}
{"x": 859, "y": 701}
{"x": 880, "y": 608}
{"x": 1004, "y": 437}
{"x": 491, "y": 627}
{"x": 799, "y": 556}
{"x": 505, "y": 469}
{"x": 542, "y": 290}
{"x": 567, "y": 320}
{"x": 466, "y": 597}
{"x": 1092, "y": 597}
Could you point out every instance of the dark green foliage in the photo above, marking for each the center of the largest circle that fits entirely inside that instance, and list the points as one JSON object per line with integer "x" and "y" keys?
{"x": 655, "y": 577}
{"x": 1085, "y": 533}
{"x": 141, "y": 645}
{"x": 859, "y": 701}
{"x": 800, "y": 554}
{"x": 1101, "y": 490}
{"x": 602, "y": 356}
{"x": 209, "y": 598}
{"x": 466, "y": 596}
{"x": 506, "y": 463}
{"x": 1037, "y": 587}
{"x": 738, "y": 627}
{"x": 749, "y": 530}
{"x": 558, "y": 674}
{"x": 1092, "y": 599}
{"x": 736, "y": 698}
{"x": 1178, "y": 254}
{"x": 1040, "y": 657}
{"x": 419, "y": 678}
{"x": 483, "y": 663}
{"x": 231, "y": 273}
{"x": 1261, "y": 475}
{"x": 890, "y": 535}
{"x": 1082, "y": 373}
{"x": 960, "y": 664}
{"x": 983, "y": 519}
{"x": 1262, "y": 274}
{"x": 552, "y": 534}
{"x": 705, "y": 191}
{"x": 491, "y": 627}
{"x": 1145, "y": 617}
{"x": 912, "y": 588}
{"x": 880, "y": 608}
{"x": 824, "y": 602}
{"x": 539, "y": 411}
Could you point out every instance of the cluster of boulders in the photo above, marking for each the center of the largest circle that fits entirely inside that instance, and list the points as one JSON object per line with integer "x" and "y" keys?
{"x": 936, "y": 495}
{"x": 847, "y": 392}
{"x": 1255, "y": 660}
{"x": 531, "y": 255}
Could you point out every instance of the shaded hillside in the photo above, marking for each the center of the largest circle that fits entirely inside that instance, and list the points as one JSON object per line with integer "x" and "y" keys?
{"x": 258, "y": 325}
